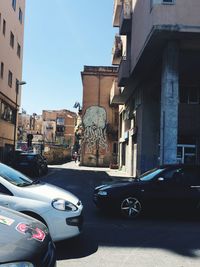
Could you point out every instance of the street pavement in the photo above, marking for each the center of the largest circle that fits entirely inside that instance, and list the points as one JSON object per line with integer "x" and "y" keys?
{"x": 76, "y": 166}
{"x": 110, "y": 241}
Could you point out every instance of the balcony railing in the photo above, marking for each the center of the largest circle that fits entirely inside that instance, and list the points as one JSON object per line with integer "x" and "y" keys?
{"x": 116, "y": 12}
{"x": 124, "y": 71}
{"x": 125, "y": 17}
{"x": 117, "y": 51}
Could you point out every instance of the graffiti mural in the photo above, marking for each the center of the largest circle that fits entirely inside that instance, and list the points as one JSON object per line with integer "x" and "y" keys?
{"x": 94, "y": 122}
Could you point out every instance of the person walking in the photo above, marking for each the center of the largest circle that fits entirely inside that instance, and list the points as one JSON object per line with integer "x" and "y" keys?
{"x": 75, "y": 156}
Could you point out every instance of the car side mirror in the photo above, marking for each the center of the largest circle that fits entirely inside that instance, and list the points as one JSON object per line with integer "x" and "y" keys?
{"x": 161, "y": 179}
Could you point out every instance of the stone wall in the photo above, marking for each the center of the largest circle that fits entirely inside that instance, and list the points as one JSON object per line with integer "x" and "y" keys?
{"x": 57, "y": 155}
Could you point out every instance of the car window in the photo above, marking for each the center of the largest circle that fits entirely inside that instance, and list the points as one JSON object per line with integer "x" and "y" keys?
{"x": 4, "y": 190}
{"x": 185, "y": 175}
{"x": 13, "y": 176}
{"x": 149, "y": 175}
{"x": 173, "y": 175}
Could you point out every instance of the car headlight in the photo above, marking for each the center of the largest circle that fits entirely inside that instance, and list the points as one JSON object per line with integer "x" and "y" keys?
{"x": 17, "y": 264}
{"x": 61, "y": 204}
{"x": 103, "y": 193}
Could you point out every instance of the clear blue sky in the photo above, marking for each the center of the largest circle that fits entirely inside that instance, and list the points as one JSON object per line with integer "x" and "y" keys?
{"x": 61, "y": 36}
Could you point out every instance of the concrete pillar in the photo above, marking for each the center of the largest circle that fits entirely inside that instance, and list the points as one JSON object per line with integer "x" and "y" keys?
{"x": 169, "y": 104}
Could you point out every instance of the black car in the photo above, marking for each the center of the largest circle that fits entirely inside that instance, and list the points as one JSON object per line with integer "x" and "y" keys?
{"x": 24, "y": 241}
{"x": 31, "y": 164}
{"x": 166, "y": 188}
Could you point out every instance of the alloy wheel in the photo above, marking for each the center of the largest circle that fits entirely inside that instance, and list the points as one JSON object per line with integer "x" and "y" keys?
{"x": 131, "y": 207}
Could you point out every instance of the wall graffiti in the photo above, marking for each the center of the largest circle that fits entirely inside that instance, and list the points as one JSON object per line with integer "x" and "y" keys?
{"x": 94, "y": 122}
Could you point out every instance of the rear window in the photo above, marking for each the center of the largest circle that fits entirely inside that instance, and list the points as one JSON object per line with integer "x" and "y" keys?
{"x": 25, "y": 157}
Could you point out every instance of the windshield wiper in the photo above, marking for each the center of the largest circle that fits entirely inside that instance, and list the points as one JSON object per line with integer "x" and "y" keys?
{"x": 23, "y": 184}
{"x": 37, "y": 181}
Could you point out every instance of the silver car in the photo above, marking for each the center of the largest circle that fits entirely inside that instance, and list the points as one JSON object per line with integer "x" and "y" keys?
{"x": 60, "y": 210}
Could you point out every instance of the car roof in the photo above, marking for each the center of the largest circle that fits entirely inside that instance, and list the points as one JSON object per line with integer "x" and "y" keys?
{"x": 179, "y": 165}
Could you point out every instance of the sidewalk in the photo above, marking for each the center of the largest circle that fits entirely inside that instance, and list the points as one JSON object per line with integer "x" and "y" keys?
{"x": 76, "y": 166}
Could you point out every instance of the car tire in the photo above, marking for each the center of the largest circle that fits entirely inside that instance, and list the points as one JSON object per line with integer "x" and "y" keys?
{"x": 130, "y": 207}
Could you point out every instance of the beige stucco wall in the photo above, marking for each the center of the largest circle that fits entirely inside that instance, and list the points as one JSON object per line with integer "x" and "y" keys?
{"x": 182, "y": 13}
{"x": 8, "y": 55}
{"x": 12, "y": 62}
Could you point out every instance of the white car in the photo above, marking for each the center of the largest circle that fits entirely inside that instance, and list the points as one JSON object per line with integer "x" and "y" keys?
{"x": 60, "y": 210}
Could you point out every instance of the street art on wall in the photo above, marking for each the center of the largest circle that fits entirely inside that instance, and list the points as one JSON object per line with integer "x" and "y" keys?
{"x": 94, "y": 122}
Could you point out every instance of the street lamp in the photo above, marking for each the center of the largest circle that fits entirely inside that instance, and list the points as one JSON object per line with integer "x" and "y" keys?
{"x": 18, "y": 83}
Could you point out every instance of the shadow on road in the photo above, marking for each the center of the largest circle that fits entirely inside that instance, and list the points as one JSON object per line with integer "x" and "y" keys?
{"x": 179, "y": 235}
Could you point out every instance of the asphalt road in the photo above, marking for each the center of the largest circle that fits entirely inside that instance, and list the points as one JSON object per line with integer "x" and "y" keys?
{"x": 110, "y": 241}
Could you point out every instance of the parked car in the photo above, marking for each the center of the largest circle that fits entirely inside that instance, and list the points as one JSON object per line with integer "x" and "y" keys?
{"x": 60, "y": 210}
{"x": 30, "y": 163}
{"x": 24, "y": 241}
{"x": 166, "y": 188}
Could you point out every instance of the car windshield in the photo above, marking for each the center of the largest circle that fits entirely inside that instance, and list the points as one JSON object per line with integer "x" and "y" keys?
{"x": 13, "y": 176}
{"x": 25, "y": 158}
{"x": 149, "y": 175}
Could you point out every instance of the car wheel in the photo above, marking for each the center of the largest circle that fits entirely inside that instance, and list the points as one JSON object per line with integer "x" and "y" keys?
{"x": 130, "y": 207}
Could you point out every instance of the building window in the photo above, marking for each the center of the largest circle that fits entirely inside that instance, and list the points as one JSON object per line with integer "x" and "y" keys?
{"x": 4, "y": 27}
{"x": 10, "y": 78}
{"x": 7, "y": 113}
{"x": 20, "y": 15}
{"x": 116, "y": 117}
{"x": 190, "y": 95}
{"x": 115, "y": 148}
{"x": 151, "y": 4}
{"x": 2, "y": 69}
{"x": 14, "y": 4}
{"x": 18, "y": 50}
{"x": 12, "y": 39}
{"x": 168, "y": 1}
{"x": 60, "y": 121}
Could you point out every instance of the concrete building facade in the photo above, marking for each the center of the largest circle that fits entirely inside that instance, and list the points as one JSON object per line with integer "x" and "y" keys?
{"x": 159, "y": 80}
{"x": 11, "y": 55}
{"x": 99, "y": 117}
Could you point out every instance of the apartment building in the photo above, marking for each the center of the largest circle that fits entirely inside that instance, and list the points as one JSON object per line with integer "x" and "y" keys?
{"x": 99, "y": 117}
{"x": 58, "y": 127}
{"x": 159, "y": 60}
{"x": 11, "y": 56}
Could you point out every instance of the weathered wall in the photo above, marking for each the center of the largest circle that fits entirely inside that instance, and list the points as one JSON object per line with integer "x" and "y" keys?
{"x": 97, "y": 115}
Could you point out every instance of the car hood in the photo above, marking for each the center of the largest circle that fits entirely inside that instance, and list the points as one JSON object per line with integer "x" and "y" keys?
{"x": 16, "y": 245}
{"x": 46, "y": 192}
{"x": 116, "y": 184}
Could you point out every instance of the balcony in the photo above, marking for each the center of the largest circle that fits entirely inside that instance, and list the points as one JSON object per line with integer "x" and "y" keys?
{"x": 115, "y": 92}
{"x": 124, "y": 71}
{"x": 116, "y": 12}
{"x": 125, "y": 17}
{"x": 117, "y": 51}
